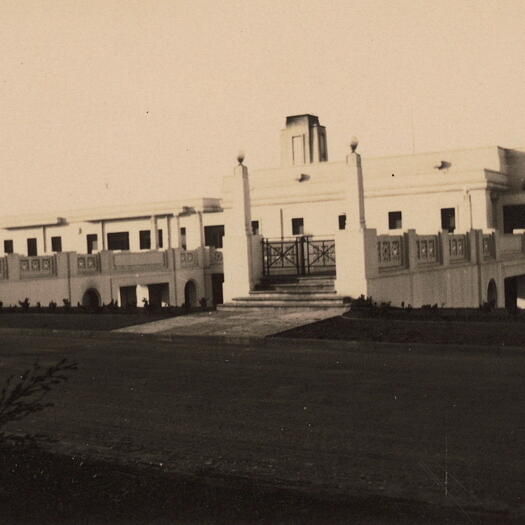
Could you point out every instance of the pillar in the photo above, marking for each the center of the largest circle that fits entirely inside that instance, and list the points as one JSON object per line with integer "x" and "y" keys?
{"x": 142, "y": 293}
{"x": 237, "y": 258}
{"x": 355, "y": 246}
{"x": 154, "y": 233}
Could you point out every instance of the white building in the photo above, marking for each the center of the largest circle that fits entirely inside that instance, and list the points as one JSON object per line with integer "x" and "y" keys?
{"x": 414, "y": 229}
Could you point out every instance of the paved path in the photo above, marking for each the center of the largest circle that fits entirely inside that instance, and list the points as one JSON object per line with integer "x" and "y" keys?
{"x": 253, "y": 323}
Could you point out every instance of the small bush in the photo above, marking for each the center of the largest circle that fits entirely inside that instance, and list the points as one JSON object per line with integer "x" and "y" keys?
{"x": 24, "y": 304}
{"x": 24, "y": 396}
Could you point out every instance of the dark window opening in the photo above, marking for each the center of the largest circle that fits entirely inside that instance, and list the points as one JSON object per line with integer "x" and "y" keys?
{"x": 213, "y": 236}
{"x": 448, "y": 219}
{"x": 160, "y": 241}
{"x": 118, "y": 241}
{"x": 395, "y": 220}
{"x": 183, "y": 238}
{"x": 8, "y": 246}
{"x": 92, "y": 242}
{"x": 56, "y": 244}
{"x": 255, "y": 227}
{"x": 31, "y": 247}
{"x": 145, "y": 239}
{"x": 513, "y": 218}
{"x": 342, "y": 222}
{"x": 298, "y": 226}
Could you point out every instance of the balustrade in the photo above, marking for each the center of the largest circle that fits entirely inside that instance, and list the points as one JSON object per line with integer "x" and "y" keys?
{"x": 39, "y": 266}
{"x": 390, "y": 251}
{"x": 426, "y": 249}
{"x": 458, "y": 247}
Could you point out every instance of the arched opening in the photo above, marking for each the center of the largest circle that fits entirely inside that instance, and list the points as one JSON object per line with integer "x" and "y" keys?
{"x": 492, "y": 294}
{"x": 91, "y": 298}
{"x": 190, "y": 294}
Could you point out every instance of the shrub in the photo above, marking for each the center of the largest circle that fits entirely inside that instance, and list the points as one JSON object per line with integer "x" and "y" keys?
{"x": 24, "y": 304}
{"x": 20, "y": 398}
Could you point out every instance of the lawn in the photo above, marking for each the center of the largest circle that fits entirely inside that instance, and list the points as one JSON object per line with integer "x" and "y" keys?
{"x": 352, "y": 327}
{"x": 368, "y": 420}
{"x": 75, "y": 320}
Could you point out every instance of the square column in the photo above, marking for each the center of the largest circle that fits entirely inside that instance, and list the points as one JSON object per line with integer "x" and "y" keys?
{"x": 237, "y": 254}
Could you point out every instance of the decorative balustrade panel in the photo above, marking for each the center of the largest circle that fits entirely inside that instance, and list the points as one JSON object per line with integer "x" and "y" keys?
{"x": 488, "y": 246}
{"x": 40, "y": 266}
{"x": 427, "y": 249}
{"x": 140, "y": 261}
{"x": 189, "y": 259}
{"x": 215, "y": 257}
{"x": 390, "y": 251}
{"x": 458, "y": 247}
{"x": 3, "y": 268}
{"x": 88, "y": 263}
{"x": 511, "y": 244}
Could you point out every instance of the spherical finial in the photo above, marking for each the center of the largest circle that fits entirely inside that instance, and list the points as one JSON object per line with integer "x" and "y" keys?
{"x": 240, "y": 157}
{"x": 354, "y": 142}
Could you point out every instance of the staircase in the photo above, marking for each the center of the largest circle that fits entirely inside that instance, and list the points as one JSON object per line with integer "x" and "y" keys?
{"x": 309, "y": 292}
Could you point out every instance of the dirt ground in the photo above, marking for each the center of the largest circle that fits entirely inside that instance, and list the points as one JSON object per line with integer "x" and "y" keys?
{"x": 370, "y": 420}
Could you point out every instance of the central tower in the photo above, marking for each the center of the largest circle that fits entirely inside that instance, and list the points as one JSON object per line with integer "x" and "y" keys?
{"x": 303, "y": 141}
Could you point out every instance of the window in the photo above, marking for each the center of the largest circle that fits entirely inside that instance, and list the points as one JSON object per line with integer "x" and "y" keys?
{"x": 448, "y": 219}
{"x": 255, "y": 227}
{"x": 160, "y": 242}
{"x": 118, "y": 241}
{"x": 513, "y": 217}
{"x": 342, "y": 222}
{"x": 182, "y": 240}
{"x": 298, "y": 149}
{"x": 56, "y": 244}
{"x": 213, "y": 236}
{"x": 8, "y": 247}
{"x": 31, "y": 247}
{"x": 297, "y": 226}
{"x": 395, "y": 220}
{"x": 92, "y": 242}
{"x": 145, "y": 239}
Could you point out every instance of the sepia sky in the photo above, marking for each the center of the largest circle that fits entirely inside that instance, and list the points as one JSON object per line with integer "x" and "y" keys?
{"x": 118, "y": 101}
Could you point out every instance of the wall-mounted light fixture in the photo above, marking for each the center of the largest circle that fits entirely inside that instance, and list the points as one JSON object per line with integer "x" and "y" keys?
{"x": 443, "y": 165}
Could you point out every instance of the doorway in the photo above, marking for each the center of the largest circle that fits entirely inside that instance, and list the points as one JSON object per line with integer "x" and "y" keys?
{"x": 190, "y": 294}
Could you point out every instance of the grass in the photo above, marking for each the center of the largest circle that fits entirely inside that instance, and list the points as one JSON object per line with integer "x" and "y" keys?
{"x": 76, "y": 321}
{"x": 368, "y": 421}
{"x": 352, "y": 327}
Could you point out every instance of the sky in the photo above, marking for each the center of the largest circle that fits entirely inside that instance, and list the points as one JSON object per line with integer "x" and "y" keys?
{"x": 123, "y": 101}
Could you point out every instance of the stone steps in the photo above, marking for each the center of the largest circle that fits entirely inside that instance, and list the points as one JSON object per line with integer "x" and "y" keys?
{"x": 312, "y": 292}
{"x": 307, "y": 305}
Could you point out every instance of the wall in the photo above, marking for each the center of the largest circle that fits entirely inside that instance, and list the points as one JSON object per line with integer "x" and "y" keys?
{"x": 69, "y": 275}
{"x": 455, "y": 273}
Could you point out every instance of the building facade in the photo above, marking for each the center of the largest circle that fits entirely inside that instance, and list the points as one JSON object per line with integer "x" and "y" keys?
{"x": 435, "y": 228}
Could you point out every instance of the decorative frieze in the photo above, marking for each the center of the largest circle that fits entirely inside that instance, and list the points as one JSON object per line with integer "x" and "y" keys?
{"x": 88, "y": 263}
{"x": 390, "y": 251}
{"x": 488, "y": 246}
{"x": 458, "y": 247}
{"x": 42, "y": 266}
{"x": 3, "y": 268}
{"x": 189, "y": 259}
{"x": 426, "y": 249}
